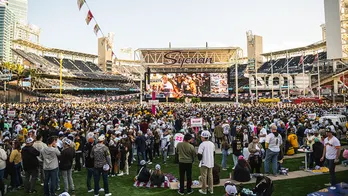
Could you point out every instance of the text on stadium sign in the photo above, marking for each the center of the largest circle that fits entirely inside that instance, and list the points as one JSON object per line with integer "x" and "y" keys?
{"x": 171, "y": 60}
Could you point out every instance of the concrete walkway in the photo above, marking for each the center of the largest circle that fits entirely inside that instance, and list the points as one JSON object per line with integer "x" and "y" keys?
{"x": 291, "y": 175}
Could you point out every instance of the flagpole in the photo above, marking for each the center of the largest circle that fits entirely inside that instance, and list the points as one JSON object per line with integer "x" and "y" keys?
{"x": 303, "y": 76}
{"x": 272, "y": 77}
{"x": 319, "y": 88}
{"x": 287, "y": 72}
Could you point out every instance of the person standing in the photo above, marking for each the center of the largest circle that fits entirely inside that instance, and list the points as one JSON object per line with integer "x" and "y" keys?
{"x": 219, "y": 134}
{"x": 255, "y": 157}
{"x": 16, "y": 159}
{"x": 102, "y": 165}
{"x": 89, "y": 161}
{"x": 140, "y": 142}
{"x": 78, "y": 154}
{"x": 273, "y": 143}
{"x": 331, "y": 153}
{"x": 49, "y": 155}
{"x": 39, "y": 146}
{"x": 30, "y": 165}
{"x": 3, "y": 158}
{"x": 186, "y": 153}
{"x": 206, "y": 157}
{"x": 65, "y": 165}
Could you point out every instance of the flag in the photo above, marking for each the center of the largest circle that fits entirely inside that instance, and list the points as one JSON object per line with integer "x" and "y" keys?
{"x": 301, "y": 60}
{"x": 316, "y": 58}
{"x": 80, "y": 3}
{"x": 96, "y": 29}
{"x": 89, "y": 17}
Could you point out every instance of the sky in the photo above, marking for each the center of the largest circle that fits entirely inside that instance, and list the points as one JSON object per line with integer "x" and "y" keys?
{"x": 185, "y": 23}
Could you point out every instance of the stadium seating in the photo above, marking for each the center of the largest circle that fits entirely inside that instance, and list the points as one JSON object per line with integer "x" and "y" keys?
{"x": 82, "y": 66}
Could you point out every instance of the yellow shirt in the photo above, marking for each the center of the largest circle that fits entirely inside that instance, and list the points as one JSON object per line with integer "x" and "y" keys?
{"x": 292, "y": 138}
{"x": 15, "y": 157}
{"x": 68, "y": 125}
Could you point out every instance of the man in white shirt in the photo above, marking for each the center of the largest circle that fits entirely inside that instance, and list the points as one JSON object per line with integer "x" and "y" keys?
{"x": 273, "y": 143}
{"x": 331, "y": 153}
{"x": 206, "y": 157}
{"x": 262, "y": 134}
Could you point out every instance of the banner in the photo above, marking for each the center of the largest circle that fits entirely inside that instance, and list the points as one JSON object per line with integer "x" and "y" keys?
{"x": 96, "y": 29}
{"x": 196, "y": 122}
{"x": 80, "y": 3}
{"x": 89, "y": 17}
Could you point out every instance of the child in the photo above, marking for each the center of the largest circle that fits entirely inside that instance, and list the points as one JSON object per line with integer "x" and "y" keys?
{"x": 318, "y": 149}
{"x": 157, "y": 177}
{"x": 246, "y": 152}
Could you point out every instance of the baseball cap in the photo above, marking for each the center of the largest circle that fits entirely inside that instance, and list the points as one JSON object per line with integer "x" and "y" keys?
{"x": 158, "y": 167}
{"x": 106, "y": 167}
{"x": 64, "y": 194}
{"x": 240, "y": 157}
{"x": 230, "y": 188}
{"x": 142, "y": 162}
{"x": 101, "y": 138}
{"x": 29, "y": 140}
{"x": 67, "y": 142}
{"x": 205, "y": 134}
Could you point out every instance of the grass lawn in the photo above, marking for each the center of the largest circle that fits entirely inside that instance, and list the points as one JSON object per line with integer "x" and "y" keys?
{"x": 124, "y": 185}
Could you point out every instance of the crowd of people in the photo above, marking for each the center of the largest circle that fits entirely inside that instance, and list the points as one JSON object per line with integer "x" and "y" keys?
{"x": 48, "y": 142}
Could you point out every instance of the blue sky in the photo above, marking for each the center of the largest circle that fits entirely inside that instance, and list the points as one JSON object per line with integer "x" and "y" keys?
{"x": 185, "y": 23}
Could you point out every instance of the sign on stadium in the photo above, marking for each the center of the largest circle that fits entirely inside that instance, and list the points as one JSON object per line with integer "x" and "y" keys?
{"x": 176, "y": 57}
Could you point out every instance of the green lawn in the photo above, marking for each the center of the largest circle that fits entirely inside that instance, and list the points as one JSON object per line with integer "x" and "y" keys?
{"x": 124, "y": 185}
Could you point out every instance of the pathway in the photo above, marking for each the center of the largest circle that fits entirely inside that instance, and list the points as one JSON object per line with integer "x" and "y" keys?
{"x": 291, "y": 175}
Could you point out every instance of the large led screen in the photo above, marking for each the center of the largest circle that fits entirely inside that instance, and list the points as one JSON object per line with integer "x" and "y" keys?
{"x": 176, "y": 85}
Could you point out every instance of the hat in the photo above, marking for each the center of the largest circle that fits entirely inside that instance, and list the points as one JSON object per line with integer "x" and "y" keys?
{"x": 64, "y": 194}
{"x": 230, "y": 188}
{"x": 316, "y": 139}
{"x": 106, "y": 167}
{"x": 61, "y": 133}
{"x": 158, "y": 167}
{"x": 330, "y": 130}
{"x": 101, "y": 138}
{"x": 240, "y": 157}
{"x": 67, "y": 142}
{"x": 29, "y": 140}
{"x": 205, "y": 134}
{"x": 142, "y": 162}
{"x": 6, "y": 138}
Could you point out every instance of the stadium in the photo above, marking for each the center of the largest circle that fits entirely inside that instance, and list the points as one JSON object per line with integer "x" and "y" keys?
{"x": 186, "y": 119}
{"x": 291, "y": 74}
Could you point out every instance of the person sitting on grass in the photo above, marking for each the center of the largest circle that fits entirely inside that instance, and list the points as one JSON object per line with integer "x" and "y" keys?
{"x": 144, "y": 173}
{"x": 157, "y": 177}
{"x": 242, "y": 170}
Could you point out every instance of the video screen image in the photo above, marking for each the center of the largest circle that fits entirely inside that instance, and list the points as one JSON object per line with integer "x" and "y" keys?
{"x": 175, "y": 85}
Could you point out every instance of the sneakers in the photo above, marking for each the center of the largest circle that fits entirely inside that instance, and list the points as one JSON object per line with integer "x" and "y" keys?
{"x": 181, "y": 193}
{"x": 202, "y": 192}
{"x": 224, "y": 169}
{"x": 120, "y": 174}
{"x": 108, "y": 194}
{"x": 327, "y": 184}
{"x": 42, "y": 184}
{"x": 101, "y": 190}
{"x": 90, "y": 190}
{"x": 190, "y": 192}
{"x": 150, "y": 163}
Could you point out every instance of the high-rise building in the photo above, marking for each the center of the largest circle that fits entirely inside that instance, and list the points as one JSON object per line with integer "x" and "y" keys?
{"x": 7, "y": 25}
{"x": 105, "y": 52}
{"x": 20, "y": 9}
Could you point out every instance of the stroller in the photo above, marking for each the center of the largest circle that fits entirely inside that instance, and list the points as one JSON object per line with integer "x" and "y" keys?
{"x": 264, "y": 186}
